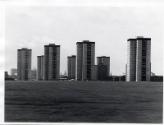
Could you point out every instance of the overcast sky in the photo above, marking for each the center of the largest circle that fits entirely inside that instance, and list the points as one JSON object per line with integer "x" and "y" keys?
{"x": 108, "y": 26}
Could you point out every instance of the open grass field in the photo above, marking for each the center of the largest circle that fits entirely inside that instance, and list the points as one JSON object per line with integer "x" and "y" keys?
{"x": 72, "y": 101}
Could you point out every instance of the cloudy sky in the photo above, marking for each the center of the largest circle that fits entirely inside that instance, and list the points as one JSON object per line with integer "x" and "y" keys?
{"x": 108, "y": 26}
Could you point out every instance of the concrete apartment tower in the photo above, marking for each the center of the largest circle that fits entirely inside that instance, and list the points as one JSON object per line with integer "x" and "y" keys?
{"x": 71, "y": 65}
{"x": 40, "y": 67}
{"x": 103, "y": 63}
{"x": 24, "y": 64}
{"x": 85, "y": 59}
{"x": 51, "y": 62}
{"x": 131, "y": 60}
{"x": 94, "y": 72}
{"x": 139, "y": 59}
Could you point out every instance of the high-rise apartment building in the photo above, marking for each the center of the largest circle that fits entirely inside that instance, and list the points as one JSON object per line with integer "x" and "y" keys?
{"x": 85, "y": 59}
{"x": 71, "y": 65}
{"x": 40, "y": 67}
{"x": 139, "y": 59}
{"x": 24, "y": 64}
{"x": 51, "y": 62}
{"x": 94, "y": 72}
{"x": 103, "y": 64}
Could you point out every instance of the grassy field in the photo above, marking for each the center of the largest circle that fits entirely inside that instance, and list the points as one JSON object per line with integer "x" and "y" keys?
{"x": 72, "y": 101}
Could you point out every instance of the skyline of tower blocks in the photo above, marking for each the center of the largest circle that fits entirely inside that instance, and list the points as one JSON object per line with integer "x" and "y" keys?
{"x": 71, "y": 67}
{"x": 103, "y": 63}
{"x": 139, "y": 59}
{"x": 40, "y": 67}
{"x": 51, "y": 62}
{"x": 24, "y": 64}
{"x": 85, "y": 59}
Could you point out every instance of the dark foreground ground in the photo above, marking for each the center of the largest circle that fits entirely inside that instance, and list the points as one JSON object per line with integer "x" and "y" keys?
{"x": 116, "y": 102}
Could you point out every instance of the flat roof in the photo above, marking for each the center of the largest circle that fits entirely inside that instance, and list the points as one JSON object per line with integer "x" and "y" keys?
{"x": 24, "y": 49}
{"x": 138, "y": 38}
{"x": 85, "y": 41}
{"x": 52, "y": 45}
{"x": 131, "y": 39}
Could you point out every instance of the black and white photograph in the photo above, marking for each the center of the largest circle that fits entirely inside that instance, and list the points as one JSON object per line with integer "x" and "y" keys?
{"x": 84, "y": 62}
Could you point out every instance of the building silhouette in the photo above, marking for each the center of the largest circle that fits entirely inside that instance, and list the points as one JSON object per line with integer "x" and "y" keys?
{"x": 51, "y": 62}
{"x": 71, "y": 65}
{"x": 24, "y": 64}
{"x": 117, "y": 78}
{"x": 156, "y": 78}
{"x": 139, "y": 59}
{"x": 40, "y": 67}
{"x": 6, "y": 75}
{"x": 103, "y": 64}
{"x": 94, "y": 72}
{"x": 85, "y": 59}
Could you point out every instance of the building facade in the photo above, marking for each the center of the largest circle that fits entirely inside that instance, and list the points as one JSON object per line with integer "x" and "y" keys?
{"x": 51, "y": 62}
{"x": 131, "y": 60}
{"x": 85, "y": 59}
{"x": 94, "y": 72}
{"x": 40, "y": 67}
{"x": 71, "y": 65}
{"x": 24, "y": 64}
{"x": 139, "y": 59}
{"x": 6, "y": 75}
{"x": 103, "y": 63}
